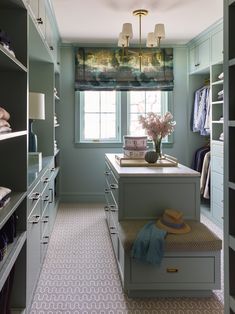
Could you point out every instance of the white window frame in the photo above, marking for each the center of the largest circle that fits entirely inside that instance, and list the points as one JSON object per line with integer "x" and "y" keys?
{"x": 80, "y": 135}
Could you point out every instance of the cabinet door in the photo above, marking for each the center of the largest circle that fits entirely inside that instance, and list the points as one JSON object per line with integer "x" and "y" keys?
{"x": 192, "y": 58}
{"x": 33, "y": 4}
{"x": 203, "y": 54}
{"x": 33, "y": 249}
{"x": 42, "y": 17}
{"x": 217, "y": 47}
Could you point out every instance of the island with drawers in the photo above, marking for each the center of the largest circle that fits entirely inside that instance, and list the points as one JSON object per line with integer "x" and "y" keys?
{"x": 136, "y": 195}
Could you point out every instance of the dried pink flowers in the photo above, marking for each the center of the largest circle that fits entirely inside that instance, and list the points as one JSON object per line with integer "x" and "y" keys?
{"x": 156, "y": 126}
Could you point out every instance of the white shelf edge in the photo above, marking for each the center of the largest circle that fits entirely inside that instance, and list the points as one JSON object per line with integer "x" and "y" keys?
{"x": 232, "y": 302}
{"x": 217, "y": 82}
{"x": 231, "y": 123}
{"x": 56, "y": 152}
{"x": 9, "y": 260}
{"x": 232, "y": 242}
{"x": 56, "y": 97}
{"x": 12, "y": 58}
{"x": 217, "y": 102}
{"x": 6, "y": 136}
{"x": 231, "y": 185}
{"x": 217, "y": 121}
{"x": 56, "y": 125}
{"x": 231, "y": 62}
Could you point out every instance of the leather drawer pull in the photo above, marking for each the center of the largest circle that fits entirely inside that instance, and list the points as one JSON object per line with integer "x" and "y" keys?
{"x": 172, "y": 270}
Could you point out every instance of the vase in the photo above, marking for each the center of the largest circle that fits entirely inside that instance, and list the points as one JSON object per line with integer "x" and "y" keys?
{"x": 151, "y": 157}
{"x": 158, "y": 147}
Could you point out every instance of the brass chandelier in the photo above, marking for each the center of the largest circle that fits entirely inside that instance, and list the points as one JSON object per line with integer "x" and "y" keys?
{"x": 153, "y": 38}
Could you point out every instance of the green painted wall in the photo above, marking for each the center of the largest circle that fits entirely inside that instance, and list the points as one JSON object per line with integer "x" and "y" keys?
{"x": 82, "y": 168}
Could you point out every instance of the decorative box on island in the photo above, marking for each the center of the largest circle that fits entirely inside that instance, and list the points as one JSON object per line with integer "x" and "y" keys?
{"x": 35, "y": 160}
{"x": 134, "y": 146}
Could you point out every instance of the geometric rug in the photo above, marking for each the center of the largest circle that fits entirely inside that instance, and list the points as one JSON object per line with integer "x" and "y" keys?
{"x": 80, "y": 275}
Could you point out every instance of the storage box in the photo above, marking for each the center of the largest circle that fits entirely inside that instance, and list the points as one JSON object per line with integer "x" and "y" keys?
{"x": 135, "y": 142}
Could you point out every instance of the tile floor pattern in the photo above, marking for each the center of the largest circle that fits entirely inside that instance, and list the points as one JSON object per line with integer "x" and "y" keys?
{"x": 80, "y": 276}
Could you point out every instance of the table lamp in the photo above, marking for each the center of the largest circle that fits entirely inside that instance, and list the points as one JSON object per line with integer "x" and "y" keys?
{"x": 36, "y": 112}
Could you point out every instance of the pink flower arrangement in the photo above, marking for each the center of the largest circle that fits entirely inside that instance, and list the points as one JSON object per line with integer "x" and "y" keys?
{"x": 156, "y": 126}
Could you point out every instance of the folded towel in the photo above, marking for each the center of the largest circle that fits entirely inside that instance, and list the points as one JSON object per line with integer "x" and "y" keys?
{"x": 5, "y": 129}
{"x": 149, "y": 244}
{"x": 4, "y": 123}
{"x": 3, "y": 192}
{"x": 4, "y": 114}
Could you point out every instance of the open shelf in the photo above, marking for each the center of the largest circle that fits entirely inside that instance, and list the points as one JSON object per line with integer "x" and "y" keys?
{"x": 8, "y": 210}
{"x": 217, "y": 82}
{"x": 232, "y": 242}
{"x": 218, "y": 102}
{"x": 231, "y": 123}
{"x": 9, "y": 135}
{"x": 232, "y": 303}
{"x": 9, "y": 62}
{"x": 13, "y": 251}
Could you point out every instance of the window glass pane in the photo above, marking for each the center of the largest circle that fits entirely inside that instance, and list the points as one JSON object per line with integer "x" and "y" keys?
{"x": 108, "y": 126}
{"x": 135, "y": 127}
{"x": 153, "y": 102}
{"x": 91, "y": 101}
{"x": 137, "y": 101}
{"x": 91, "y": 126}
{"x": 108, "y": 100}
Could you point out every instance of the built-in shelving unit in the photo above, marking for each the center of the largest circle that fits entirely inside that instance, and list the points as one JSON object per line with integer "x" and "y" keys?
{"x": 13, "y": 149}
{"x": 229, "y": 155}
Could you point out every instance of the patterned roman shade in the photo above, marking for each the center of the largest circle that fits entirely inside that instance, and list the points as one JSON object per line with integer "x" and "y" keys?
{"x": 114, "y": 68}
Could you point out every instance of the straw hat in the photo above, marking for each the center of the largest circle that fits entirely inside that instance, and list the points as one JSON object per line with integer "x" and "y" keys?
{"x": 172, "y": 222}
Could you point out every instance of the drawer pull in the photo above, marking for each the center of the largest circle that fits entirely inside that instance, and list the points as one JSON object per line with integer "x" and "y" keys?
{"x": 113, "y": 208}
{"x": 35, "y": 196}
{"x": 106, "y": 190}
{"x": 39, "y": 20}
{"x": 35, "y": 219}
{"x": 46, "y": 180}
{"x": 52, "y": 169}
{"x": 113, "y": 186}
{"x": 172, "y": 270}
{"x": 46, "y": 199}
{"x": 111, "y": 228}
{"x": 106, "y": 208}
{"x": 113, "y": 232}
{"x": 107, "y": 173}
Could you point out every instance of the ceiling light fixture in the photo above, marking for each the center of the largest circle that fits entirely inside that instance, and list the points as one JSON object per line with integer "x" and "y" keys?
{"x": 153, "y": 38}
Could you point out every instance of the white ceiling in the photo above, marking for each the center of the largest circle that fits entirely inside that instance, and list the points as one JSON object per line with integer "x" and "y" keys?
{"x": 100, "y": 21}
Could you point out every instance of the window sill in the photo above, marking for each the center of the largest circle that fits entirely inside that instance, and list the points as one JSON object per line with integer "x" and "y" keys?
{"x": 114, "y": 145}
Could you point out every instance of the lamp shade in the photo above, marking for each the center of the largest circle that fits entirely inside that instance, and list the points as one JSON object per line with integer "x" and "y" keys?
{"x": 151, "y": 40}
{"x": 159, "y": 30}
{"x": 127, "y": 30}
{"x": 36, "y": 106}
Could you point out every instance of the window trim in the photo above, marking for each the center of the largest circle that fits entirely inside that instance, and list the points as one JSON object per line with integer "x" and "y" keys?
{"x": 122, "y": 116}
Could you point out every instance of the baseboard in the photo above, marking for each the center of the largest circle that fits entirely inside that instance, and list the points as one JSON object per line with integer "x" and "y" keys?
{"x": 82, "y": 198}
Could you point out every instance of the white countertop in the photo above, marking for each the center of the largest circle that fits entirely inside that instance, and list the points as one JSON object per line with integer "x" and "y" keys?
{"x": 179, "y": 170}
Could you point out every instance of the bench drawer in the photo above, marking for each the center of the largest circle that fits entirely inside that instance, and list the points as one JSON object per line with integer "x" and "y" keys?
{"x": 175, "y": 270}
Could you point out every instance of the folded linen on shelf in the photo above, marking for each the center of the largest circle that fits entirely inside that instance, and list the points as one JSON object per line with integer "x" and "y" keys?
{"x": 4, "y": 114}
{"x": 5, "y": 129}
{"x": 221, "y": 76}
{"x": 4, "y": 191}
{"x": 4, "y": 123}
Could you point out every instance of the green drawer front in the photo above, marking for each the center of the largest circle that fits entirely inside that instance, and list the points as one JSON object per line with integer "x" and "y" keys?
{"x": 218, "y": 212}
{"x": 217, "y": 150}
{"x": 217, "y": 164}
{"x": 175, "y": 270}
{"x": 218, "y": 196}
{"x": 217, "y": 180}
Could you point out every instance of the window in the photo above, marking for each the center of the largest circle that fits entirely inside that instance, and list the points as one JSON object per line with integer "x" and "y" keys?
{"x": 103, "y": 117}
{"x": 99, "y": 119}
{"x": 141, "y": 102}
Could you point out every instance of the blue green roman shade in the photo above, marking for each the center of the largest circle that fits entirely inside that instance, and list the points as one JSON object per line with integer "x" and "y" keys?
{"x": 112, "y": 69}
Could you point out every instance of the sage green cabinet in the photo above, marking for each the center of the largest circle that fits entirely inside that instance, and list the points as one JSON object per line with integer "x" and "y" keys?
{"x": 199, "y": 56}
{"x": 38, "y": 11}
{"x": 217, "y": 47}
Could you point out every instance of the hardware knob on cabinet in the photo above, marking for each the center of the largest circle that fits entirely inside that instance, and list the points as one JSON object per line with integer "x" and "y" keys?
{"x": 113, "y": 186}
{"x": 35, "y": 196}
{"x": 39, "y": 20}
{"x": 46, "y": 180}
{"x": 35, "y": 219}
{"x": 172, "y": 270}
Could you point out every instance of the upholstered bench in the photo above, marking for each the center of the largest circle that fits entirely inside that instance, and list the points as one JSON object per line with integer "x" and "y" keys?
{"x": 190, "y": 267}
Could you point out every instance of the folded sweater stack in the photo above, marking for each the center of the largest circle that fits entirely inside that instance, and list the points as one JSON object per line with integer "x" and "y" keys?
{"x": 4, "y": 196}
{"x": 4, "y": 124}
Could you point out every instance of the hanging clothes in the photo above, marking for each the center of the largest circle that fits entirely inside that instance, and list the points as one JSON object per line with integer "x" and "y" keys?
{"x": 201, "y": 163}
{"x": 200, "y": 121}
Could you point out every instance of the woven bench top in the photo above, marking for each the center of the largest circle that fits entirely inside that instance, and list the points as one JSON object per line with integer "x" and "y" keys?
{"x": 200, "y": 238}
